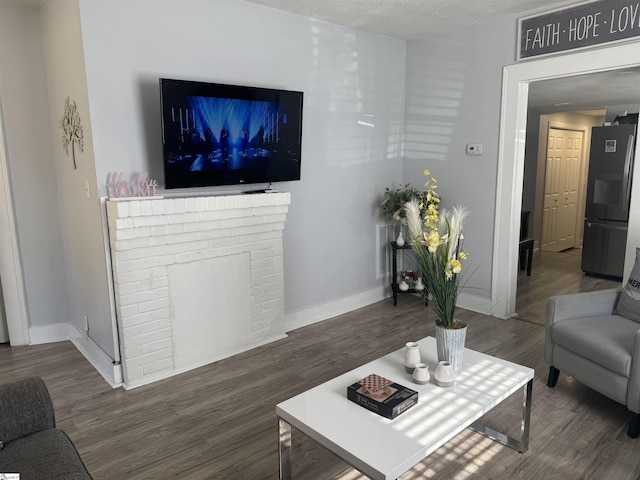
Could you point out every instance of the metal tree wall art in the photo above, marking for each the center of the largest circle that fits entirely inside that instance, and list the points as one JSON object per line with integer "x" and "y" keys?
{"x": 71, "y": 129}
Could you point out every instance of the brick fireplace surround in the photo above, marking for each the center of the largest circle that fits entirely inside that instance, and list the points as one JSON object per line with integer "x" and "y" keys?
{"x": 196, "y": 279}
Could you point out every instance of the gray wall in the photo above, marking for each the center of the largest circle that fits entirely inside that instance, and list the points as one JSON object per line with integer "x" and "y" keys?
{"x": 349, "y": 79}
{"x": 453, "y": 98}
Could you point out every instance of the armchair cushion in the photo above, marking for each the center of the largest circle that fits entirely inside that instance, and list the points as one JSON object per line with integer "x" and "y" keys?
{"x": 30, "y": 443}
{"x": 605, "y": 340}
{"x": 629, "y": 303}
{"x": 46, "y": 454}
{"x": 25, "y": 408}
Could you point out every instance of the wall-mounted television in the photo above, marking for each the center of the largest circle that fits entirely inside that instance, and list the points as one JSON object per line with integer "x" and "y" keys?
{"x": 216, "y": 134}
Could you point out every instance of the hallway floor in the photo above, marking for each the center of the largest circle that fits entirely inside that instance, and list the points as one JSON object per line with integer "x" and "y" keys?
{"x": 553, "y": 274}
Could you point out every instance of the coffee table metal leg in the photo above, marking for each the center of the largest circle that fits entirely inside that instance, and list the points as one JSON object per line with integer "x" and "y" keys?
{"x": 284, "y": 449}
{"x": 522, "y": 444}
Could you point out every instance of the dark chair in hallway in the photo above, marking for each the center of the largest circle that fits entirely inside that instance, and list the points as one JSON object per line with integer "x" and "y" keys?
{"x": 526, "y": 243}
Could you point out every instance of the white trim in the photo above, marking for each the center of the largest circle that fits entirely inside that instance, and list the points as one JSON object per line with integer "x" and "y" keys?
{"x": 332, "y": 309}
{"x": 109, "y": 270}
{"x": 475, "y": 303}
{"x": 56, "y": 332}
{"x": 10, "y": 265}
{"x": 515, "y": 87}
{"x": 164, "y": 375}
{"x": 62, "y": 332}
{"x": 103, "y": 363}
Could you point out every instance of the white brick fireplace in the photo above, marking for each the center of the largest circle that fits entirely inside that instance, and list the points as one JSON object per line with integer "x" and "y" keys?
{"x": 196, "y": 279}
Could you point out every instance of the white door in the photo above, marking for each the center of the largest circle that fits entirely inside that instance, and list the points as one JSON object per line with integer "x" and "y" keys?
{"x": 562, "y": 180}
{"x": 4, "y": 331}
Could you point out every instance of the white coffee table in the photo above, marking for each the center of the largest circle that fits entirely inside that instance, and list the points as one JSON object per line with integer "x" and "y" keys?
{"x": 385, "y": 449}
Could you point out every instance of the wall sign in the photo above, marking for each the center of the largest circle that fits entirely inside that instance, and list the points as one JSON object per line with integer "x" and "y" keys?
{"x": 584, "y": 25}
{"x": 142, "y": 186}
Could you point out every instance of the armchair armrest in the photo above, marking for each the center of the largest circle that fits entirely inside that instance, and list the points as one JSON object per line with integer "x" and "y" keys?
{"x": 577, "y": 305}
{"x": 584, "y": 304}
{"x": 25, "y": 408}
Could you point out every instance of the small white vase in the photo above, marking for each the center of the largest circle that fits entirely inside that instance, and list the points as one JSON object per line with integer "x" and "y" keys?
{"x": 419, "y": 285}
{"x": 421, "y": 374}
{"x": 404, "y": 286}
{"x": 400, "y": 239}
{"x": 411, "y": 356}
{"x": 444, "y": 375}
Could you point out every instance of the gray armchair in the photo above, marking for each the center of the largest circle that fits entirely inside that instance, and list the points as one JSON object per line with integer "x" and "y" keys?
{"x": 588, "y": 341}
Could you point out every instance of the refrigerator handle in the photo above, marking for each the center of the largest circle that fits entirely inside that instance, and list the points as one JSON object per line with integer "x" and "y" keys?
{"x": 607, "y": 226}
{"x": 626, "y": 188}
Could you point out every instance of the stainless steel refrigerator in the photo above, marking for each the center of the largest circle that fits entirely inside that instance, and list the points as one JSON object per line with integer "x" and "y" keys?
{"x": 608, "y": 194}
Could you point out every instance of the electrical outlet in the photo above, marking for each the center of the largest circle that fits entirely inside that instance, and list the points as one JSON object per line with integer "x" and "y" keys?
{"x": 474, "y": 149}
{"x": 86, "y": 323}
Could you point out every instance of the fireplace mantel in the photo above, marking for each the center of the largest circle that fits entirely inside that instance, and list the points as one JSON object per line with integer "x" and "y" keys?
{"x": 196, "y": 279}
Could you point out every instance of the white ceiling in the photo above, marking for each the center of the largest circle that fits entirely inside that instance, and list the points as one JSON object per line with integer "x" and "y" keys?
{"x": 409, "y": 19}
{"x": 586, "y": 92}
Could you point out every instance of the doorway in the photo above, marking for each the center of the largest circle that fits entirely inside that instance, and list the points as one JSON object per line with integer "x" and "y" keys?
{"x": 516, "y": 80}
{"x": 14, "y": 302}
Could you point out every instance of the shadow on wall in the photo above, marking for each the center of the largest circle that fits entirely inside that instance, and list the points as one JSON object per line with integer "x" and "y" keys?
{"x": 433, "y": 101}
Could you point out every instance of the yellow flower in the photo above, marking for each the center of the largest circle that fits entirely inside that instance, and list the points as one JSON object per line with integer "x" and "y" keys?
{"x": 432, "y": 240}
{"x": 456, "y": 266}
{"x": 462, "y": 255}
{"x": 447, "y": 271}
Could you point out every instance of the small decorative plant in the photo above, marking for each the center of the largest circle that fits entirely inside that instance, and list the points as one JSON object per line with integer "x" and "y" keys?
{"x": 409, "y": 276}
{"x": 394, "y": 200}
{"x": 436, "y": 238}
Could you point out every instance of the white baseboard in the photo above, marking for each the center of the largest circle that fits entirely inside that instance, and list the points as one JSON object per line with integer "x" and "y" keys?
{"x": 61, "y": 332}
{"x": 102, "y": 362}
{"x": 57, "y": 332}
{"x": 337, "y": 307}
{"x": 129, "y": 385}
{"x": 476, "y": 304}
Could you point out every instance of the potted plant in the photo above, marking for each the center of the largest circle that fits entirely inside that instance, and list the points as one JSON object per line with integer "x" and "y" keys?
{"x": 393, "y": 205}
{"x": 436, "y": 238}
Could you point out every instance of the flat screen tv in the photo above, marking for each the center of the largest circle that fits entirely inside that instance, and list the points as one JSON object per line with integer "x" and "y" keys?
{"x": 215, "y": 134}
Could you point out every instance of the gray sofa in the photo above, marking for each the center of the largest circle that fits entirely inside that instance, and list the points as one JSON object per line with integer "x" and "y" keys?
{"x": 30, "y": 443}
{"x": 587, "y": 340}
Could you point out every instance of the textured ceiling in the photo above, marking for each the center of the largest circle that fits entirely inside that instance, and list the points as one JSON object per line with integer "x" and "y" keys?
{"x": 409, "y": 19}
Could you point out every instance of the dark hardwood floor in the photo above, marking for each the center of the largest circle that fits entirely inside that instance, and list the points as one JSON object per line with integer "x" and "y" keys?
{"x": 554, "y": 274}
{"x": 218, "y": 422}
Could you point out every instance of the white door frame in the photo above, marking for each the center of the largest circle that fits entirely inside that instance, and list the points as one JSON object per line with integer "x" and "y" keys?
{"x": 513, "y": 128}
{"x": 10, "y": 264}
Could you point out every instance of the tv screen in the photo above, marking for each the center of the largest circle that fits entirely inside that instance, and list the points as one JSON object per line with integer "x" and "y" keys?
{"x": 214, "y": 134}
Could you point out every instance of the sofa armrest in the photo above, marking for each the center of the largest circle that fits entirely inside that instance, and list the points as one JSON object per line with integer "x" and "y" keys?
{"x": 25, "y": 408}
{"x": 577, "y": 305}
